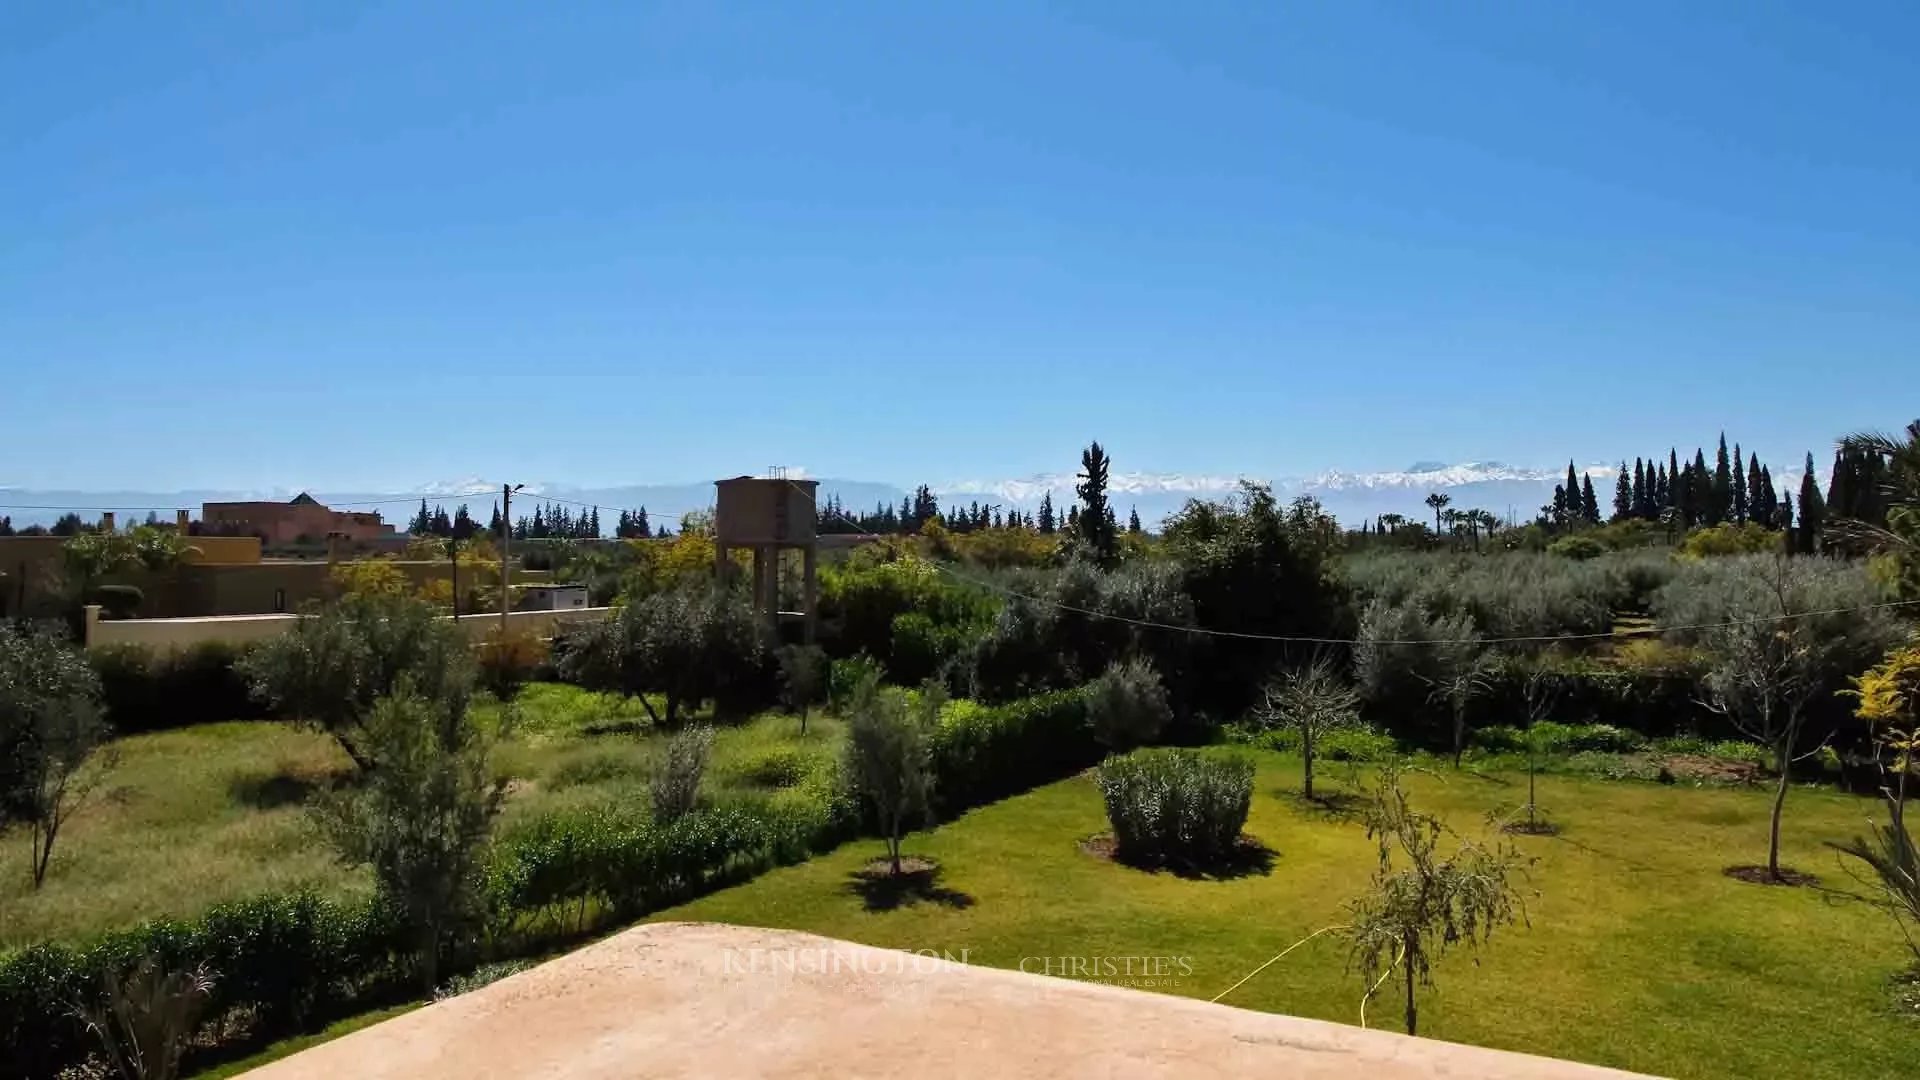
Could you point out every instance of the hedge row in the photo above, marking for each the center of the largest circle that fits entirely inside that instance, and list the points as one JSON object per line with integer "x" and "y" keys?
{"x": 561, "y": 870}
{"x": 287, "y": 964}
{"x": 284, "y": 964}
{"x": 986, "y": 752}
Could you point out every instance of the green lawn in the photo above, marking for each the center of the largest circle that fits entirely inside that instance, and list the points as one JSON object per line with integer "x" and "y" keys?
{"x": 189, "y": 818}
{"x": 1640, "y": 953}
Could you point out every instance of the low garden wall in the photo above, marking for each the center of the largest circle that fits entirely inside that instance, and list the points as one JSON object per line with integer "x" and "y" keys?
{"x": 162, "y": 636}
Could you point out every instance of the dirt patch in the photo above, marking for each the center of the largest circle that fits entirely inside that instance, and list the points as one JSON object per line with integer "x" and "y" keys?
{"x": 909, "y": 865}
{"x": 1760, "y": 875}
{"x": 1712, "y": 770}
{"x": 1531, "y": 828}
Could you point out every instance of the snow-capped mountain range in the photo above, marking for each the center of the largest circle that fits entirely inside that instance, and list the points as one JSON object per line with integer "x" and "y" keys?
{"x": 1350, "y": 496}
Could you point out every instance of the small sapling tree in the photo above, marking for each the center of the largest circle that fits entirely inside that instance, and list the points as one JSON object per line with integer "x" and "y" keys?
{"x": 889, "y": 756}
{"x": 1312, "y": 700}
{"x": 1421, "y": 904}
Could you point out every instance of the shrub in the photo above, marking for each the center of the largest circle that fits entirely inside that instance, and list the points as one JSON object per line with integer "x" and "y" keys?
{"x": 509, "y": 660}
{"x": 1127, "y": 706}
{"x": 146, "y": 1016}
{"x": 1358, "y": 744}
{"x": 200, "y": 684}
{"x": 1746, "y": 538}
{"x": 845, "y": 676}
{"x": 675, "y": 785}
{"x": 1556, "y": 738}
{"x": 1577, "y": 547}
{"x": 1176, "y": 806}
{"x": 780, "y": 768}
{"x": 591, "y": 769}
{"x": 117, "y": 601}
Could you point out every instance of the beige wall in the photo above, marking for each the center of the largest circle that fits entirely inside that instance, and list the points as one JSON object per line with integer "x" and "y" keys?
{"x": 170, "y": 635}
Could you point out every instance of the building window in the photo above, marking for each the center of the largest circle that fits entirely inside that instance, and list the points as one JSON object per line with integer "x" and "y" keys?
{"x": 279, "y": 599}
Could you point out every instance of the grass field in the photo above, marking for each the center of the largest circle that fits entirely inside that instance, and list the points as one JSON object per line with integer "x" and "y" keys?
{"x": 1640, "y": 953}
{"x": 190, "y": 818}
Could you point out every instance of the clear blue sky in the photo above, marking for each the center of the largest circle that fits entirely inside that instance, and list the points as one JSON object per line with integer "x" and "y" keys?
{"x": 337, "y": 245}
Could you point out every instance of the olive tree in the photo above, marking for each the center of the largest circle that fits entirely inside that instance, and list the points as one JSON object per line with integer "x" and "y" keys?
{"x": 421, "y": 819}
{"x": 1462, "y": 671}
{"x": 332, "y": 668}
{"x": 803, "y": 677}
{"x": 889, "y": 756}
{"x": 686, "y": 645}
{"x": 1786, "y": 645}
{"x": 1422, "y": 904}
{"x": 1312, "y": 700}
{"x": 51, "y": 729}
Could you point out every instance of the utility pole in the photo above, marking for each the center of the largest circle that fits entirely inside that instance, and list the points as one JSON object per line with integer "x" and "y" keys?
{"x": 506, "y": 562}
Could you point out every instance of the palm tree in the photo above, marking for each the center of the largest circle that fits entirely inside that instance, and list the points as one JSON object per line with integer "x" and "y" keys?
{"x": 1901, "y": 490}
{"x": 1439, "y": 502}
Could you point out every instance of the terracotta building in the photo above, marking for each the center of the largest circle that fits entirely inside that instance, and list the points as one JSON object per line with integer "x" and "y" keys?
{"x": 300, "y": 519}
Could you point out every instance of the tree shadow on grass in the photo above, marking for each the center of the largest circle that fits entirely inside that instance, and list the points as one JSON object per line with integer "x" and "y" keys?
{"x": 616, "y": 727}
{"x": 880, "y": 889}
{"x": 1341, "y": 806}
{"x": 282, "y": 789}
{"x": 1248, "y": 858}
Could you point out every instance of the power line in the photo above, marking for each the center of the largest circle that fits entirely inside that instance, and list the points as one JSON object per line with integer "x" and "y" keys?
{"x": 1151, "y": 624}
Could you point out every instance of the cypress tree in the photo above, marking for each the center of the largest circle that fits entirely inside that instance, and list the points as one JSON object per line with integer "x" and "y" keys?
{"x": 1757, "y": 508}
{"x": 1739, "y": 487}
{"x": 1046, "y": 513}
{"x": 1623, "y": 492}
{"x": 494, "y": 523}
{"x": 1720, "y": 496}
{"x": 1589, "y": 506}
{"x": 1840, "y": 493}
{"x": 1702, "y": 491}
{"x": 1637, "y": 501}
{"x": 1559, "y": 505}
{"x": 1096, "y": 517}
{"x": 1662, "y": 491}
{"x": 1673, "y": 478}
{"x": 1573, "y": 492}
{"x": 1133, "y": 520}
{"x": 1812, "y": 510}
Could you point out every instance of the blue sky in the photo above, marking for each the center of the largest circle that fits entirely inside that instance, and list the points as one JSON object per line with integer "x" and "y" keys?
{"x": 349, "y": 246}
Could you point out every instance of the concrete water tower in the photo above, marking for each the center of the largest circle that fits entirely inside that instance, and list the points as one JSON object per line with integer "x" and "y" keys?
{"x": 769, "y": 517}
